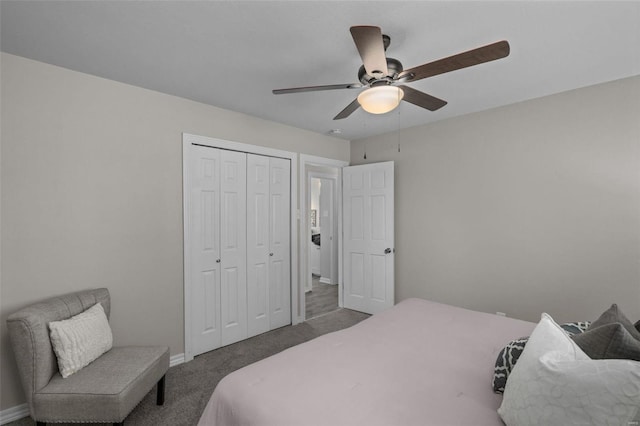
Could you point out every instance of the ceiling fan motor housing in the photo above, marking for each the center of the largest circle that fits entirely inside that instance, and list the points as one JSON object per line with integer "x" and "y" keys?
{"x": 393, "y": 65}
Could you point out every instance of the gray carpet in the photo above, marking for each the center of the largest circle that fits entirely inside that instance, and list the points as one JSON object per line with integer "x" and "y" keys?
{"x": 322, "y": 299}
{"x": 190, "y": 385}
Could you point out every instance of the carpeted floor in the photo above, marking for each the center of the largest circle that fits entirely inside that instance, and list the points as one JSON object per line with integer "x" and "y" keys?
{"x": 322, "y": 299}
{"x": 190, "y": 385}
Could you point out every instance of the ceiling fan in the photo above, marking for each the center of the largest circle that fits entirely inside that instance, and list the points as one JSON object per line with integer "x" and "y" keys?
{"x": 385, "y": 78}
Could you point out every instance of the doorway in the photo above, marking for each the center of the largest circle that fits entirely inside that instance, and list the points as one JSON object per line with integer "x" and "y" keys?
{"x": 321, "y": 289}
{"x": 321, "y": 205}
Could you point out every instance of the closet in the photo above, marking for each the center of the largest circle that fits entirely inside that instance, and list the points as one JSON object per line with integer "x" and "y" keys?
{"x": 239, "y": 244}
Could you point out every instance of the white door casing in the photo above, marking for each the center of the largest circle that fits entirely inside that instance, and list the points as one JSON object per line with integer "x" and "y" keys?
{"x": 368, "y": 205}
{"x": 304, "y": 242}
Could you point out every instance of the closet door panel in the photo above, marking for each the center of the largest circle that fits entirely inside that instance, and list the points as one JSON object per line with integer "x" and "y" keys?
{"x": 279, "y": 242}
{"x": 205, "y": 248}
{"x": 233, "y": 295}
{"x": 258, "y": 244}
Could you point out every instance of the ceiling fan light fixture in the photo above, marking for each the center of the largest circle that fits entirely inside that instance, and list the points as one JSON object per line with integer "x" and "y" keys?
{"x": 380, "y": 99}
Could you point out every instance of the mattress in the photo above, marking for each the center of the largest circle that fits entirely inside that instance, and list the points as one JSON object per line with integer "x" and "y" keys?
{"x": 418, "y": 363}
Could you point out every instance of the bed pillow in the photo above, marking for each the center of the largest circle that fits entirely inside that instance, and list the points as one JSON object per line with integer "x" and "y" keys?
{"x": 572, "y": 328}
{"x": 556, "y": 383}
{"x": 507, "y": 359}
{"x": 81, "y": 339}
{"x": 609, "y": 341}
{"x": 509, "y": 355}
{"x": 614, "y": 314}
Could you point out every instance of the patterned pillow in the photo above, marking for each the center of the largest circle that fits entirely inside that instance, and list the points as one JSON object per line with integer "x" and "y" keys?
{"x": 572, "y": 328}
{"x": 506, "y": 361}
{"x": 509, "y": 355}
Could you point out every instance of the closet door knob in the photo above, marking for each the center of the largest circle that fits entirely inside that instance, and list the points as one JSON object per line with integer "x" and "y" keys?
{"x": 270, "y": 254}
{"x": 387, "y": 251}
{"x": 217, "y": 260}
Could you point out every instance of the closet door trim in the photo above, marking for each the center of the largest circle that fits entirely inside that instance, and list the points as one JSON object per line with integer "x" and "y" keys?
{"x": 187, "y": 141}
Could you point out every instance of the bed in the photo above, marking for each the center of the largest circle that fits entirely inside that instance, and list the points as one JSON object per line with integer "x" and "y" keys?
{"x": 418, "y": 363}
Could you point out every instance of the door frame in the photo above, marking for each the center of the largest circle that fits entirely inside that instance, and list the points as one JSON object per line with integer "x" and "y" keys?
{"x": 187, "y": 141}
{"x": 334, "y": 220}
{"x": 303, "y": 246}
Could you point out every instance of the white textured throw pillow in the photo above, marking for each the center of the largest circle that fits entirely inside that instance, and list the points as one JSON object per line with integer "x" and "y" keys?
{"x": 80, "y": 339}
{"x": 556, "y": 383}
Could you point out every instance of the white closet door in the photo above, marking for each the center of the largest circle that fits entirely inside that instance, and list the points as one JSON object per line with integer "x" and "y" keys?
{"x": 368, "y": 203}
{"x": 280, "y": 243}
{"x": 233, "y": 246}
{"x": 268, "y": 243}
{"x": 205, "y": 248}
{"x": 258, "y": 244}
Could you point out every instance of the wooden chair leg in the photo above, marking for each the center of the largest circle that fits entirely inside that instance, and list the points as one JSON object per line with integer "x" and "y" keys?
{"x": 160, "y": 395}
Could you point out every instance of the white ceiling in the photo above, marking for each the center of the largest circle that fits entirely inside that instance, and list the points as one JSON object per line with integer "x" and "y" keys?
{"x": 232, "y": 54}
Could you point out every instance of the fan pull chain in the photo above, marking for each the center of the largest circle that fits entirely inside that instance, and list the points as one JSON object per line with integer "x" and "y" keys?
{"x": 398, "y": 131}
{"x": 364, "y": 128}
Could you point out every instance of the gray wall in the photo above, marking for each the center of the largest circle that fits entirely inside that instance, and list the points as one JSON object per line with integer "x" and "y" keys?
{"x": 526, "y": 208}
{"x": 91, "y": 179}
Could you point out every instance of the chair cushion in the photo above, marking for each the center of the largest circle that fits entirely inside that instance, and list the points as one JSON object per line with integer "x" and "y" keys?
{"x": 104, "y": 391}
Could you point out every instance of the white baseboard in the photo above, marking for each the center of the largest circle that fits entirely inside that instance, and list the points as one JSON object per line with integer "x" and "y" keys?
{"x": 176, "y": 360}
{"x": 325, "y": 280}
{"x": 20, "y": 411}
{"x": 14, "y": 413}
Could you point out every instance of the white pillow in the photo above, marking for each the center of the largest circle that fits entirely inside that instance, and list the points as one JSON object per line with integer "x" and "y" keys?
{"x": 80, "y": 339}
{"x": 556, "y": 383}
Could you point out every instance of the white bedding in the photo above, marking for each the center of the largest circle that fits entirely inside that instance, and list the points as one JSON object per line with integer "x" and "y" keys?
{"x": 418, "y": 363}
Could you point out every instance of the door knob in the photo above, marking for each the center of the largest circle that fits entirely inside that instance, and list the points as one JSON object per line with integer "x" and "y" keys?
{"x": 270, "y": 254}
{"x": 217, "y": 260}
{"x": 387, "y": 251}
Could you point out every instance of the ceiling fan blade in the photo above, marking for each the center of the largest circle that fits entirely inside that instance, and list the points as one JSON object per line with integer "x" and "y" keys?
{"x": 477, "y": 56}
{"x": 422, "y": 99}
{"x": 316, "y": 88}
{"x": 369, "y": 43}
{"x": 348, "y": 110}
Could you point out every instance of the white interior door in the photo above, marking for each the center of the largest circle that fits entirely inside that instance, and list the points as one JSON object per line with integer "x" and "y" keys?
{"x": 205, "y": 248}
{"x": 368, "y": 205}
{"x": 258, "y": 243}
{"x": 327, "y": 214}
{"x": 233, "y": 246}
{"x": 280, "y": 243}
{"x": 268, "y": 243}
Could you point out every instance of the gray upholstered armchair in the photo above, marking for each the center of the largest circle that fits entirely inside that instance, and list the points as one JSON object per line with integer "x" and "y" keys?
{"x": 104, "y": 391}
